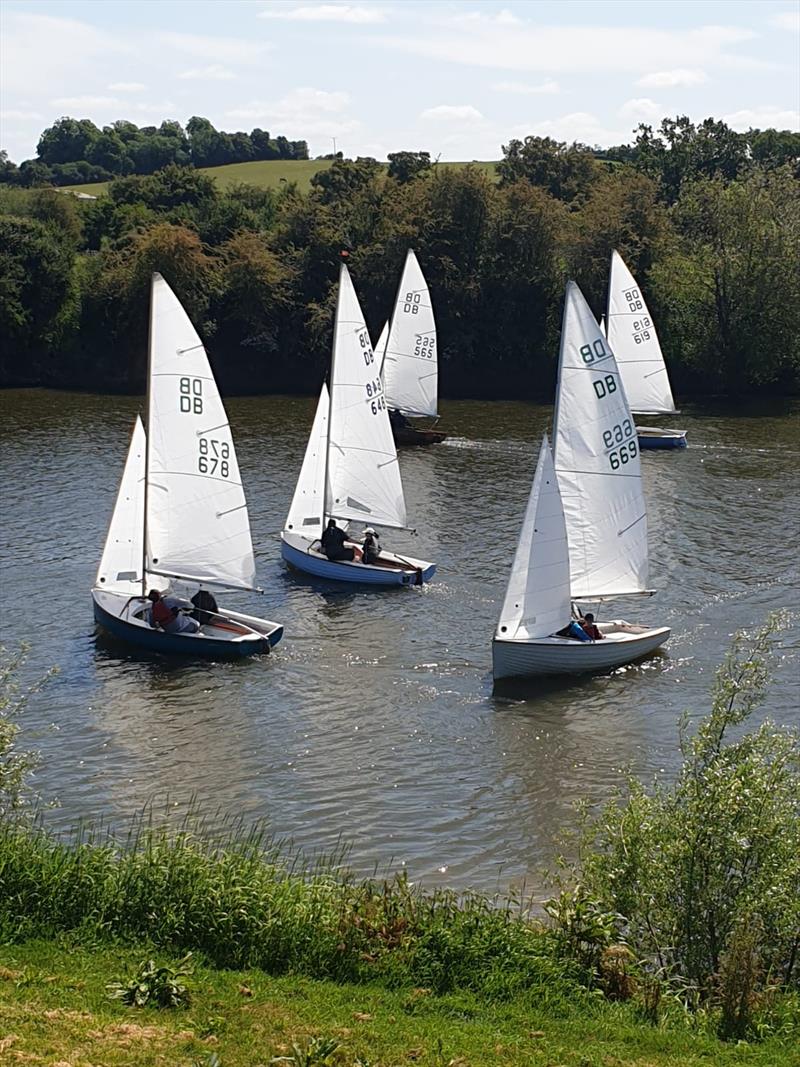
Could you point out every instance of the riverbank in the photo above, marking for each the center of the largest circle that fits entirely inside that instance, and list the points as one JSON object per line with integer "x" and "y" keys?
{"x": 55, "y": 1009}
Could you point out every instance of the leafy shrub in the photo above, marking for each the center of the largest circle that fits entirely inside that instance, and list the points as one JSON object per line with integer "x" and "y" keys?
{"x": 152, "y": 986}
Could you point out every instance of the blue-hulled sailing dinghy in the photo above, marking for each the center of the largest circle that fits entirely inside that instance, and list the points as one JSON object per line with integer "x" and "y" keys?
{"x": 350, "y": 471}
{"x": 181, "y": 514}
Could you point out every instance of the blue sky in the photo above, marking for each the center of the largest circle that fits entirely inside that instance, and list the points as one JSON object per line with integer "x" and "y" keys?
{"x": 454, "y": 78}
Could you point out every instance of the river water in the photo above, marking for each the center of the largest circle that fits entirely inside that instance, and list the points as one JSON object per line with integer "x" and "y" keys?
{"x": 374, "y": 722}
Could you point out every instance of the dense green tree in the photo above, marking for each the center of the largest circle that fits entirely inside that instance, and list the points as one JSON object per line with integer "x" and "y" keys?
{"x": 565, "y": 171}
{"x": 683, "y": 152}
{"x": 36, "y": 283}
{"x": 775, "y": 148}
{"x": 729, "y": 290}
{"x": 67, "y": 141}
{"x": 405, "y": 166}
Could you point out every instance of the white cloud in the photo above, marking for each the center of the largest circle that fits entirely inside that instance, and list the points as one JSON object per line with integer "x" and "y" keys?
{"x": 579, "y": 126}
{"x": 86, "y": 103}
{"x": 481, "y": 42}
{"x": 786, "y": 20}
{"x": 640, "y": 108}
{"x": 127, "y": 87}
{"x": 504, "y": 17}
{"x": 547, "y": 88}
{"x": 356, "y": 14}
{"x": 672, "y": 79}
{"x": 302, "y": 113}
{"x": 19, "y": 115}
{"x": 213, "y": 73}
{"x": 220, "y": 49}
{"x": 763, "y": 118}
{"x": 452, "y": 112}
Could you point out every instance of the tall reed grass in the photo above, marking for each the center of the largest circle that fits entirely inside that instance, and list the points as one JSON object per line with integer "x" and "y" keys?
{"x": 240, "y": 905}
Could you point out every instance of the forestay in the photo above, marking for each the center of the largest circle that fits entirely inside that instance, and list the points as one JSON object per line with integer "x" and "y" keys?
{"x": 120, "y": 568}
{"x": 197, "y": 521}
{"x": 635, "y": 345}
{"x": 597, "y": 462}
{"x": 308, "y": 502}
{"x": 364, "y": 476}
{"x": 537, "y": 601}
{"x": 407, "y": 351}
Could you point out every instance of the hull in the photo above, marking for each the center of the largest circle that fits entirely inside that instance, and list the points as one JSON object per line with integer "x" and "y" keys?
{"x": 409, "y": 435}
{"x": 650, "y": 437}
{"x": 109, "y": 610}
{"x": 299, "y": 554}
{"x": 556, "y": 655}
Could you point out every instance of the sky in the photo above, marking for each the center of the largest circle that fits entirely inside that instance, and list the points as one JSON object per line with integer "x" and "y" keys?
{"x": 457, "y": 78}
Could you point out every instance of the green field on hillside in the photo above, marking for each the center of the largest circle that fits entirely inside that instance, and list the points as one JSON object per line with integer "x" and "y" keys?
{"x": 268, "y": 174}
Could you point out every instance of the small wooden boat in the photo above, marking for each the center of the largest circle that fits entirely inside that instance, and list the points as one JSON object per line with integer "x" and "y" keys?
{"x": 584, "y": 534}
{"x": 634, "y": 342}
{"x": 407, "y": 352}
{"x": 181, "y": 514}
{"x": 350, "y": 471}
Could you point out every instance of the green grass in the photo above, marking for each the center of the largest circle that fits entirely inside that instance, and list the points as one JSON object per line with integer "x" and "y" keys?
{"x": 55, "y": 1009}
{"x": 268, "y": 174}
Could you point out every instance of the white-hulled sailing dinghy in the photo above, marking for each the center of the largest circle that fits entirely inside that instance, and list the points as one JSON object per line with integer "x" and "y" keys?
{"x": 350, "y": 471}
{"x": 584, "y": 535}
{"x": 407, "y": 353}
{"x": 634, "y": 342}
{"x": 181, "y": 514}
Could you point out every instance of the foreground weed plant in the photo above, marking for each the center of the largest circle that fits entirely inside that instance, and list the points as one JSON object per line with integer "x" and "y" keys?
{"x": 316, "y": 1052}
{"x": 700, "y": 877}
{"x": 152, "y": 986}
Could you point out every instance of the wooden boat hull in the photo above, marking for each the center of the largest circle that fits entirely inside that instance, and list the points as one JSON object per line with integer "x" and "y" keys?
{"x": 109, "y": 608}
{"x": 298, "y": 553}
{"x": 560, "y": 655}
{"x": 650, "y": 437}
{"x": 410, "y": 435}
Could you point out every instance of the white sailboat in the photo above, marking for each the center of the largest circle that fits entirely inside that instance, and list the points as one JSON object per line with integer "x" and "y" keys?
{"x": 408, "y": 356}
{"x": 350, "y": 471}
{"x": 584, "y": 535}
{"x": 634, "y": 342}
{"x": 181, "y": 514}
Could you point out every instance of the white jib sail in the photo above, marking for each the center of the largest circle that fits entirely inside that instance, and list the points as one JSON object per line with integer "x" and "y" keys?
{"x": 597, "y": 462}
{"x": 363, "y": 473}
{"x": 197, "y": 521}
{"x": 408, "y": 357}
{"x": 537, "y": 601}
{"x": 120, "y": 569}
{"x": 634, "y": 342}
{"x": 308, "y": 502}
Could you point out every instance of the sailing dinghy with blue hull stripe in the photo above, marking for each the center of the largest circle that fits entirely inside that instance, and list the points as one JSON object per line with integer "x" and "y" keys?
{"x": 350, "y": 471}
{"x": 230, "y": 635}
{"x": 180, "y": 513}
{"x": 651, "y": 437}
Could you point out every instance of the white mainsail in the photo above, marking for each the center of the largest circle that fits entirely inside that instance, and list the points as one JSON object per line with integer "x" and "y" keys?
{"x": 597, "y": 462}
{"x": 308, "y": 503}
{"x": 634, "y": 342}
{"x": 197, "y": 522}
{"x": 537, "y": 601}
{"x": 363, "y": 472}
{"x": 120, "y": 569}
{"x": 407, "y": 354}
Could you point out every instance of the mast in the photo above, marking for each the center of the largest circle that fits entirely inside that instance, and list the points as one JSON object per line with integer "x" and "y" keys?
{"x": 147, "y": 436}
{"x": 342, "y": 268}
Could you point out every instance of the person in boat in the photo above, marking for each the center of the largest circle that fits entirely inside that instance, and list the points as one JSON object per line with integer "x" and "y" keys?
{"x": 574, "y": 630}
{"x": 589, "y": 627}
{"x": 398, "y": 421}
{"x": 165, "y": 615}
{"x": 205, "y": 606}
{"x": 333, "y": 544}
{"x": 371, "y": 548}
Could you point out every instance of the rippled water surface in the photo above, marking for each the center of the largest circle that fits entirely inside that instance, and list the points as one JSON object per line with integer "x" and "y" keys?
{"x": 374, "y": 722}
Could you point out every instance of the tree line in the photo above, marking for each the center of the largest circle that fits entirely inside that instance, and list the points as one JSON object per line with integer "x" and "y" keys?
{"x": 711, "y": 232}
{"x": 75, "y": 151}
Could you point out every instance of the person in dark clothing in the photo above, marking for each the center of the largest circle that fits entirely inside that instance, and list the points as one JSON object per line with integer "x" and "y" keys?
{"x": 333, "y": 546}
{"x": 588, "y": 624}
{"x": 205, "y": 606}
{"x": 398, "y": 421}
{"x": 372, "y": 548}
